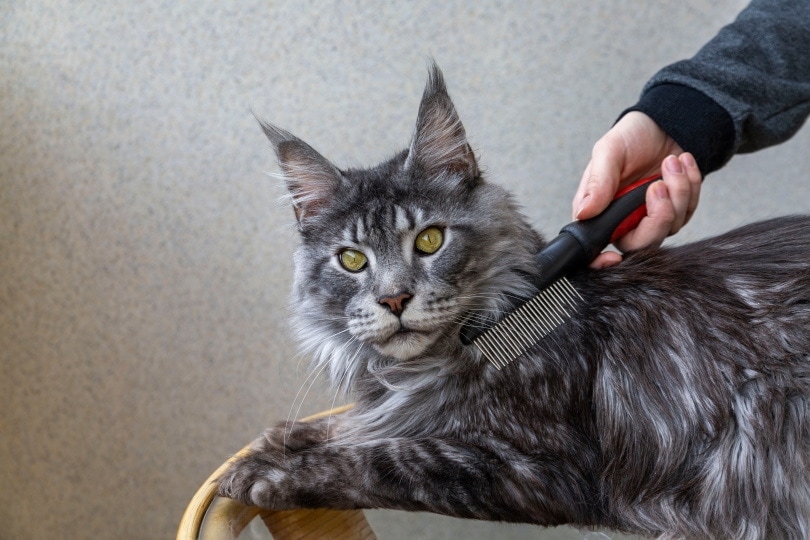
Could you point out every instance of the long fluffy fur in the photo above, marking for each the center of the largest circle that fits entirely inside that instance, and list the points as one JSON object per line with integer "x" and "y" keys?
{"x": 673, "y": 403}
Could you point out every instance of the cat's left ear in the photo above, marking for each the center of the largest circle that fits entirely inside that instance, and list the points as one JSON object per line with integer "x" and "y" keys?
{"x": 439, "y": 143}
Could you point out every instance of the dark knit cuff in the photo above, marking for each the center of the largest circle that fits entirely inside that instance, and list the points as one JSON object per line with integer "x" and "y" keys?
{"x": 693, "y": 120}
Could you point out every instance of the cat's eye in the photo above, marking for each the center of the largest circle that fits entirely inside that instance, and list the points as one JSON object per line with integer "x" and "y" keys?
{"x": 429, "y": 241}
{"x": 352, "y": 260}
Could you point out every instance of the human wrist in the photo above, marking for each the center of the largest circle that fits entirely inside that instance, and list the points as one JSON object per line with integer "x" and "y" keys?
{"x": 693, "y": 120}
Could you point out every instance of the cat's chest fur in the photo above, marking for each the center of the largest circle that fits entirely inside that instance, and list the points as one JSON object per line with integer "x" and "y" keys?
{"x": 525, "y": 406}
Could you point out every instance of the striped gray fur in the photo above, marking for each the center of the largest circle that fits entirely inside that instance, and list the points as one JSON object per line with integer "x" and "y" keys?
{"x": 675, "y": 401}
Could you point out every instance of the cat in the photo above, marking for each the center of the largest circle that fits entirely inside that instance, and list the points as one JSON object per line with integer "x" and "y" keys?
{"x": 675, "y": 401}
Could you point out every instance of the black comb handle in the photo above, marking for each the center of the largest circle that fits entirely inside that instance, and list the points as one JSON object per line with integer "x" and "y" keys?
{"x": 622, "y": 215}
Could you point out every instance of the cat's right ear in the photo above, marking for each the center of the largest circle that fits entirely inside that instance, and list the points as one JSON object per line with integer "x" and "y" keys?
{"x": 311, "y": 179}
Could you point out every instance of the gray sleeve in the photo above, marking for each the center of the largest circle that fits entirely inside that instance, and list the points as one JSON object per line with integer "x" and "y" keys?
{"x": 757, "y": 69}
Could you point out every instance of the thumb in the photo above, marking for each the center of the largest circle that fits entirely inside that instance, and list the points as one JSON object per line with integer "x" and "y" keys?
{"x": 600, "y": 180}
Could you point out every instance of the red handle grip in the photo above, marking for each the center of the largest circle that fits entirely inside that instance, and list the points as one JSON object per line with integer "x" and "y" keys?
{"x": 631, "y": 221}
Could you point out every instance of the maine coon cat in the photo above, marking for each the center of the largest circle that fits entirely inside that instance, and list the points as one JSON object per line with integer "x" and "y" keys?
{"x": 675, "y": 402}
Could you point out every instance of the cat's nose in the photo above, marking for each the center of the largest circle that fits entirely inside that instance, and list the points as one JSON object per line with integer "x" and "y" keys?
{"x": 396, "y": 303}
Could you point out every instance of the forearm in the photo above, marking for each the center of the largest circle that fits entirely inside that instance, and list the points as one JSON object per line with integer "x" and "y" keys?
{"x": 748, "y": 88}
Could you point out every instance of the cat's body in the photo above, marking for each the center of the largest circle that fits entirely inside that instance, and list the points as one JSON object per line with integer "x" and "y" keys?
{"x": 676, "y": 400}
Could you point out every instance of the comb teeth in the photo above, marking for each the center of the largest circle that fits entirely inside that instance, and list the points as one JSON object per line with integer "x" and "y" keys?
{"x": 520, "y": 330}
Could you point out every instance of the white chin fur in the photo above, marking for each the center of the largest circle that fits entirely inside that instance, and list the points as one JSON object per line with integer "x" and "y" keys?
{"x": 406, "y": 346}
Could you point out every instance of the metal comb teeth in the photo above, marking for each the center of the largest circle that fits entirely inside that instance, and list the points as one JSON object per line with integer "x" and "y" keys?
{"x": 520, "y": 330}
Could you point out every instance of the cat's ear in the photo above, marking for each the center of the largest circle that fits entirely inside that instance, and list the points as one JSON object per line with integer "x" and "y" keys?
{"x": 439, "y": 143}
{"x": 311, "y": 179}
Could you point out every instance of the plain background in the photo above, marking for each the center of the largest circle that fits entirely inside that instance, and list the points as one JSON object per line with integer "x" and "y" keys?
{"x": 144, "y": 253}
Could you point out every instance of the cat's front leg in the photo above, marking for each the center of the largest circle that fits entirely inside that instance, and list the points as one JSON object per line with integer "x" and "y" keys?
{"x": 425, "y": 474}
{"x": 390, "y": 473}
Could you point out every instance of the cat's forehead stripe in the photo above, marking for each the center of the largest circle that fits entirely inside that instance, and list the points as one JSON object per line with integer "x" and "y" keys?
{"x": 404, "y": 219}
{"x": 360, "y": 230}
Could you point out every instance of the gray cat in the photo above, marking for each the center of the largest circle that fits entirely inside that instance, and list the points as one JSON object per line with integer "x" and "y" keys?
{"x": 675, "y": 402}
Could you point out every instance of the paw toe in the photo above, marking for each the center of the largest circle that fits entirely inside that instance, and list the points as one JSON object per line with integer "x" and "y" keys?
{"x": 253, "y": 482}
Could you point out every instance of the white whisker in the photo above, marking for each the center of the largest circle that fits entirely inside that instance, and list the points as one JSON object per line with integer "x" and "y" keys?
{"x": 288, "y": 426}
{"x": 338, "y": 391}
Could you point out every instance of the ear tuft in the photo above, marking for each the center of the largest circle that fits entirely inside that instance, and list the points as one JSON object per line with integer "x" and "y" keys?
{"x": 439, "y": 143}
{"x": 311, "y": 179}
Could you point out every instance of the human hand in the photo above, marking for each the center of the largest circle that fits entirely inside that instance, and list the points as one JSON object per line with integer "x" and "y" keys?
{"x": 634, "y": 148}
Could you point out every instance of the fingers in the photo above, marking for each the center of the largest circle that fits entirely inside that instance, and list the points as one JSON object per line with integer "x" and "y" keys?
{"x": 682, "y": 178}
{"x": 605, "y": 259}
{"x": 670, "y": 203}
{"x": 652, "y": 229}
{"x": 600, "y": 180}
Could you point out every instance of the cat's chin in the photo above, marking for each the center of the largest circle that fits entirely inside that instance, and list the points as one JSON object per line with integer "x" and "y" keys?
{"x": 406, "y": 345}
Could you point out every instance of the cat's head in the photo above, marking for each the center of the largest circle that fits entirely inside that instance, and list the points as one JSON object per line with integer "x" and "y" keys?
{"x": 394, "y": 257}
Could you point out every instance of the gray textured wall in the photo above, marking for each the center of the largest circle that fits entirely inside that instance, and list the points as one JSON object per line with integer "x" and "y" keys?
{"x": 145, "y": 259}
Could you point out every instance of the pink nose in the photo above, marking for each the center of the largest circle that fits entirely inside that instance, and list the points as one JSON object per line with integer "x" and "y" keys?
{"x": 396, "y": 303}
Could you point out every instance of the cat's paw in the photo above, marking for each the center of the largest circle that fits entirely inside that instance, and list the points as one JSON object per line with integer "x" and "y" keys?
{"x": 258, "y": 479}
{"x": 265, "y": 476}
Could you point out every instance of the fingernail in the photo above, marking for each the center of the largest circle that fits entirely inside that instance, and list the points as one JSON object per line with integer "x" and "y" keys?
{"x": 581, "y": 205}
{"x": 689, "y": 160}
{"x": 673, "y": 165}
{"x": 660, "y": 190}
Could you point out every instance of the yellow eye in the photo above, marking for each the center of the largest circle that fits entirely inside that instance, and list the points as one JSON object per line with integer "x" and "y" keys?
{"x": 429, "y": 241}
{"x": 352, "y": 260}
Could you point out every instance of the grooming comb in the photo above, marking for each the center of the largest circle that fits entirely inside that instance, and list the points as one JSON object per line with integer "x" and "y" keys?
{"x": 579, "y": 242}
